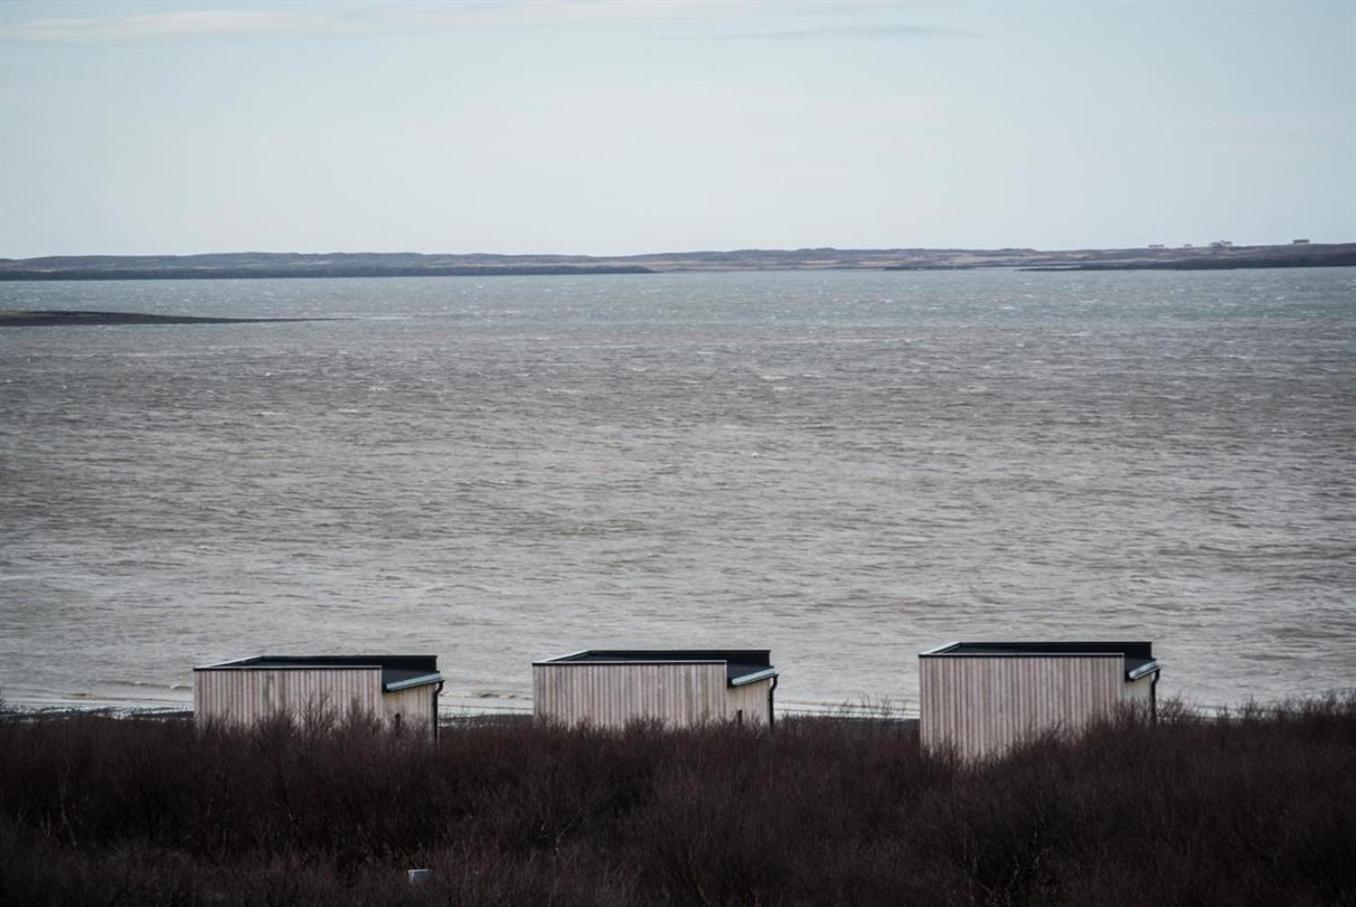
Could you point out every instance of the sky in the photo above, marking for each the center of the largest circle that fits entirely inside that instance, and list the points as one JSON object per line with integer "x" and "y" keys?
{"x": 609, "y": 128}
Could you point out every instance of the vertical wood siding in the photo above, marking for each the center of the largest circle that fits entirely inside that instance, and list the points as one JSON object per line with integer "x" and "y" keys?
{"x": 982, "y": 706}
{"x": 752, "y": 698}
{"x": 415, "y": 706}
{"x": 1139, "y": 693}
{"x": 246, "y": 697}
{"x": 610, "y": 695}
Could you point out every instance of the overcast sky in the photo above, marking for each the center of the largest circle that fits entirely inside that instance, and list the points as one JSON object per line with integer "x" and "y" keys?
{"x": 609, "y": 128}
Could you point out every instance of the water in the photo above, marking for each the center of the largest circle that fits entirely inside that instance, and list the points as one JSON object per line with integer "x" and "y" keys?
{"x": 848, "y": 468}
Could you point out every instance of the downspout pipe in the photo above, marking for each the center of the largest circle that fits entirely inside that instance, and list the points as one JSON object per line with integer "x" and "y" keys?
{"x": 436, "y": 693}
{"x": 771, "y": 714}
{"x": 1153, "y": 698}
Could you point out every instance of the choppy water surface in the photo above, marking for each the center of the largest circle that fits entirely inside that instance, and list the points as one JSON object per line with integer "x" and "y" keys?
{"x": 846, "y": 468}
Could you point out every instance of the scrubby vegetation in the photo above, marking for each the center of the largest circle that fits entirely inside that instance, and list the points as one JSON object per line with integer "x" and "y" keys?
{"x": 1257, "y": 808}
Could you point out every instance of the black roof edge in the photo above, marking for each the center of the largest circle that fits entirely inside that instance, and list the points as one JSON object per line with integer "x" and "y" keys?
{"x": 334, "y": 662}
{"x": 1129, "y": 649}
{"x": 759, "y": 657}
{"x": 742, "y": 666}
{"x": 1137, "y": 656}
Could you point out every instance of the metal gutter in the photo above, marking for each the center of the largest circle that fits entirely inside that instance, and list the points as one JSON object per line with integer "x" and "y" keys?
{"x": 423, "y": 680}
{"x": 754, "y": 677}
{"x": 1143, "y": 670}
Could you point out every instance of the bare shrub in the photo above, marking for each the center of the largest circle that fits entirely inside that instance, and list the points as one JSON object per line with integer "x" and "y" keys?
{"x": 1255, "y": 807}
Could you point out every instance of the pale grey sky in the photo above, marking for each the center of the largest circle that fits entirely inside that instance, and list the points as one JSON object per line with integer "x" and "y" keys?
{"x": 614, "y": 127}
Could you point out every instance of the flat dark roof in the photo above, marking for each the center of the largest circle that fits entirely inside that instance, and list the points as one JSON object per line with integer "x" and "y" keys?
{"x": 740, "y": 664}
{"x": 1138, "y": 656}
{"x": 397, "y": 671}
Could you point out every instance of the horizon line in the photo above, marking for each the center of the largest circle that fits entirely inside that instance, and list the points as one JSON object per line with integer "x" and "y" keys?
{"x": 1163, "y": 247}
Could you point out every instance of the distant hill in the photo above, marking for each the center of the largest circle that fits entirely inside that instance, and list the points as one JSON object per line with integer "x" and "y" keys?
{"x": 410, "y": 264}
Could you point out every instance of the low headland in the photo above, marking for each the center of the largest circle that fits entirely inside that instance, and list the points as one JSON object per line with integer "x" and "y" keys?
{"x": 408, "y": 264}
{"x": 1256, "y": 807}
{"x": 29, "y": 318}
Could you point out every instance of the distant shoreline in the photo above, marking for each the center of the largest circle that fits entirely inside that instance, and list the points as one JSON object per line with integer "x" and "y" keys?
{"x": 1208, "y": 264}
{"x": 269, "y": 265}
{"x": 296, "y": 273}
{"x": 32, "y": 318}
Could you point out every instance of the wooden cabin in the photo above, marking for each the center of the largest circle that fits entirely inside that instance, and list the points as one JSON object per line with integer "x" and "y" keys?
{"x": 401, "y": 691}
{"x": 678, "y": 687}
{"x": 981, "y": 698}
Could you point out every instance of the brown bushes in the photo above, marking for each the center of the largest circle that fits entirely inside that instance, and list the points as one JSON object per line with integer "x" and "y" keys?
{"x": 1257, "y": 807}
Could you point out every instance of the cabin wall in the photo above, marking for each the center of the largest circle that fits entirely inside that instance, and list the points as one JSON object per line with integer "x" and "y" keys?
{"x": 240, "y": 698}
{"x": 983, "y": 706}
{"x": 413, "y": 709}
{"x": 752, "y": 698}
{"x": 1140, "y": 694}
{"x": 610, "y": 695}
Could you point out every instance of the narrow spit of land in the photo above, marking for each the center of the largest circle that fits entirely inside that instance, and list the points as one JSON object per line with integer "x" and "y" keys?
{"x": 32, "y": 318}
{"x": 408, "y": 264}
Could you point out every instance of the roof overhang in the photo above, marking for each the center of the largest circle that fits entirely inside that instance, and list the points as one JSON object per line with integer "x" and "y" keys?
{"x": 423, "y": 681}
{"x": 733, "y": 660}
{"x": 398, "y": 672}
{"x": 1138, "y": 652}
